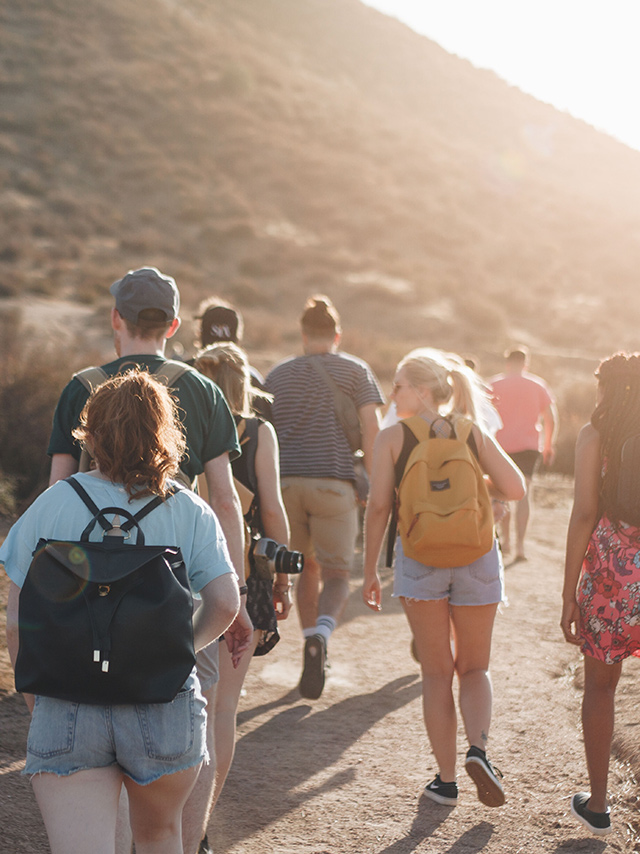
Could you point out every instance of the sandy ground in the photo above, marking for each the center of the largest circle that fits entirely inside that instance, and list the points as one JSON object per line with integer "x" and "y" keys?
{"x": 344, "y": 774}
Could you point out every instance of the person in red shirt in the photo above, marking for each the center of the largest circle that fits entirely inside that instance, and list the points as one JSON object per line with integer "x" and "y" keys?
{"x": 529, "y": 418}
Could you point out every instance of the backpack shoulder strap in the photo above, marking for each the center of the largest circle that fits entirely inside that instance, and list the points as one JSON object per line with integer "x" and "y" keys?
{"x": 88, "y": 501}
{"x": 462, "y": 428}
{"x": 420, "y": 428}
{"x": 169, "y": 372}
{"x": 149, "y": 506}
{"x": 91, "y": 377}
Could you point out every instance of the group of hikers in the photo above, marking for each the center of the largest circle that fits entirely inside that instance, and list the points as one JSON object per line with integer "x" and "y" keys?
{"x": 203, "y": 486}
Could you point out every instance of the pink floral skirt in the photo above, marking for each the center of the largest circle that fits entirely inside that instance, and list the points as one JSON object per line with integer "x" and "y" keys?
{"x": 609, "y": 593}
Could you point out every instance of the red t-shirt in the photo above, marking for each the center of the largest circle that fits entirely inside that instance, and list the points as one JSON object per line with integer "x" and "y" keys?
{"x": 520, "y": 400}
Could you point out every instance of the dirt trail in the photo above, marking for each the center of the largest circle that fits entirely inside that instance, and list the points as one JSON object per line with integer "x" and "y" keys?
{"x": 344, "y": 774}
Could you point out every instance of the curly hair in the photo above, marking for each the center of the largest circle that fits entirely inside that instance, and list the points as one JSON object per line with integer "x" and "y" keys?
{"x": 616, "y": 418}
{"x": 131, "y": 425}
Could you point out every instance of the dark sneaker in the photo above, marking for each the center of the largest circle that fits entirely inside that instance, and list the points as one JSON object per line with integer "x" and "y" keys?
{"x": 485, "y": 776}
{"x": 599, "y": 823}
{"x": 442, "y": 793}
{"x": 313, "y": 668}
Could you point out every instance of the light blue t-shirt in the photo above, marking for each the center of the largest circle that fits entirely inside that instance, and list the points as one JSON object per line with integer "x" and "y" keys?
{"x": 184, "y": 520}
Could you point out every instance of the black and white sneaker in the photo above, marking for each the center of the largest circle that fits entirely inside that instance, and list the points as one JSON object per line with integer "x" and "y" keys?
{"x": 599, "y": 823}
{"x": 313, "y": 668}
{"x": 485, "y": 776}
{"x": 442, "y": 793}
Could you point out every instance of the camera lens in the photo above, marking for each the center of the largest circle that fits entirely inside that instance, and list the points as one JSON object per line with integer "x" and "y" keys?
{"x": 290, "y": 562}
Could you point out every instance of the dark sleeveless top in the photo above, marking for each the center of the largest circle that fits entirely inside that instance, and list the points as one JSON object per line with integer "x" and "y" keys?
{"x": 260, "y": 591}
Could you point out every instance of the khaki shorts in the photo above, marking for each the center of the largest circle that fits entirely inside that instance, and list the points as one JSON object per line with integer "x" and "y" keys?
{"x": 323, "y": 515}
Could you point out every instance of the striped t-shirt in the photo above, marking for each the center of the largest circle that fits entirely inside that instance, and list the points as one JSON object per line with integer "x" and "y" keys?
{"x": 312, "y": 442}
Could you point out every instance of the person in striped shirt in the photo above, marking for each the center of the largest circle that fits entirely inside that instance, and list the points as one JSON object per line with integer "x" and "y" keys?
{"x": 318, "y": 475}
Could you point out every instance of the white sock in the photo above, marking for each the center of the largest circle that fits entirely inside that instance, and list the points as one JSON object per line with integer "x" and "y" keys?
{"x": 325, "y": 626}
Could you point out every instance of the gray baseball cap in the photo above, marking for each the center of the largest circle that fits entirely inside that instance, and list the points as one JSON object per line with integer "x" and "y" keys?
{"x": 146, "y": 288}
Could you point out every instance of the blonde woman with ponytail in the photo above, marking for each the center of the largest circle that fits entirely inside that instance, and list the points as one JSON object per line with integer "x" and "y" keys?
{"x": 439, "y": 603}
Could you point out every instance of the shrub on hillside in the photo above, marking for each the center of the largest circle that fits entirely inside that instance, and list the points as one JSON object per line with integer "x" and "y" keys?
{"x": 33, "y": 375}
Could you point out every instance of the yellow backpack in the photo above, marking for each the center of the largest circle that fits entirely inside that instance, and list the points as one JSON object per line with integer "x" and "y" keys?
{"x": 444, "y": 509}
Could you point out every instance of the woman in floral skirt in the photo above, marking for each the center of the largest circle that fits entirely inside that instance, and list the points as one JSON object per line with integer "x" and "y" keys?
{"x": 601, "y": 595}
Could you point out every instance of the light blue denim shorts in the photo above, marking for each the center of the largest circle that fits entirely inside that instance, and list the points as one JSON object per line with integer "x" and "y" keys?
{"x": 146, "y": 741}
{"x": 478, "y": 583}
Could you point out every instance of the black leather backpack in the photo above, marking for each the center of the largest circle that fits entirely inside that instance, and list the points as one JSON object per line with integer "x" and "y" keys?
{"x": 105, "y": 622}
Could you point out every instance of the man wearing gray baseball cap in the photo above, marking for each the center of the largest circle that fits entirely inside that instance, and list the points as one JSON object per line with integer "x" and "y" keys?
{"x": 144, "y": 317}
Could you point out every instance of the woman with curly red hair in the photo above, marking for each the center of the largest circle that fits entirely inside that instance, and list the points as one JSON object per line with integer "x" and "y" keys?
{"x": 601, "y": 595}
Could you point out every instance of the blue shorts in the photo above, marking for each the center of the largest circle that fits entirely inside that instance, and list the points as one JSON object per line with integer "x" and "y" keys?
{"x": 479, "y": 583}
{"x": 146, "y": 741}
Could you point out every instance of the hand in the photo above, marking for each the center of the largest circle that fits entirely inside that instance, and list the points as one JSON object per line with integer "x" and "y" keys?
{"x": 500, "y": 509}
{"x": 570, "y": 622}
{"x": 372, "y": 593}
{"x": 282, "y": 601}
{"x": 239, "y": 634}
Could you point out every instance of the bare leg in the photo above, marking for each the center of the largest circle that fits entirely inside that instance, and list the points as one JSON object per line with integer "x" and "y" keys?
{"x": 505, "y": 536}
{"x": 335, "y": 592}
{"x": 79, "y": 811}
{"x": 308, "y": 592}
{"x": 195, "y": 815}
{"x": 226, "y": 707}
{"x": 523, "y": 511}
{"x": 429, "y": 622}
{"x": 156, "y": 811}
{"x": 124, "y": 837}
{"x": 473, "y": 626}
{"x": 598, "y": 713}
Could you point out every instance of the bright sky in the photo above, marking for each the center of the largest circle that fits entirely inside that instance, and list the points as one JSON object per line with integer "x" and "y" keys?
{"x": 582, "y": 56}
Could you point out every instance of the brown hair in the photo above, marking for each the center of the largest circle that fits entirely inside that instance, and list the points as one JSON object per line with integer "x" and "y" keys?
{"x": 132, "y": 426}
{"x": 320, "y": 318}
{"x": 227, "y": 365}
{"x": 152, "y": 323}
{"x": 616, "y": 418}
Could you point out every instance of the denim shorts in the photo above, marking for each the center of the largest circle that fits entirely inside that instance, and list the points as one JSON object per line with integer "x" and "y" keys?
{"x": 146, "y": 741}
{"x": 479, "y": 583}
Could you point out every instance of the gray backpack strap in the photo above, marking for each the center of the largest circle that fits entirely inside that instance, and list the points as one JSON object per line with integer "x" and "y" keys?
{"x": 170, "y": 372}
{"x": 91, "y": 378}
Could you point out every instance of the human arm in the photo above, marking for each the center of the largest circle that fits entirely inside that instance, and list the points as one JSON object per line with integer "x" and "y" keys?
{"x": 504, "y": 479}
{"x": 370, "y": 427}
{"x": 13, "y": 636}
{"x": 549, "y": 424}
{"x": 274, "y": 517}
{"x": 62, "y": 466}
{"x": 225, "y": 503}
{"x": 385, "y": 451}
{"x": 220, "y": 605}
{"x": 584, "y": 516}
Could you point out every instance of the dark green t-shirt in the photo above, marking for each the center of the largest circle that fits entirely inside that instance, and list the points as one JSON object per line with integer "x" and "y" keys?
{"x": 209, "y": 426}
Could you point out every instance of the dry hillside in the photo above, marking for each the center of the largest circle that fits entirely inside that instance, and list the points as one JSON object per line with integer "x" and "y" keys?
{"x": 271, "y": 147}
{"x": 266, "y": 149}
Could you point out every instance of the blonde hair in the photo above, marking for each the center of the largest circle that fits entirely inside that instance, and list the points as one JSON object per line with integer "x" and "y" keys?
{"x": 455, "y": 388}
{"x": 227, "y": 365}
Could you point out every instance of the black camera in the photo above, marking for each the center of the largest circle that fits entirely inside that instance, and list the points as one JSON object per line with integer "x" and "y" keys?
{"x": 267, "y": 557}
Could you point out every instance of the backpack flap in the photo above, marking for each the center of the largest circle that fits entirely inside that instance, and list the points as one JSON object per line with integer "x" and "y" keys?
{"x": 444, "y": 508}
{"x": 105, "y": 623}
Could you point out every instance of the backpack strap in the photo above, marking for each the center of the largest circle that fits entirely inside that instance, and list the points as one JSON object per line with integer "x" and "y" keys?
{"x": 132, "y": 520}
{"x": 169, "y": 372}
{"x": 90, "y": 503}
{"x": 91, "y": 377}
